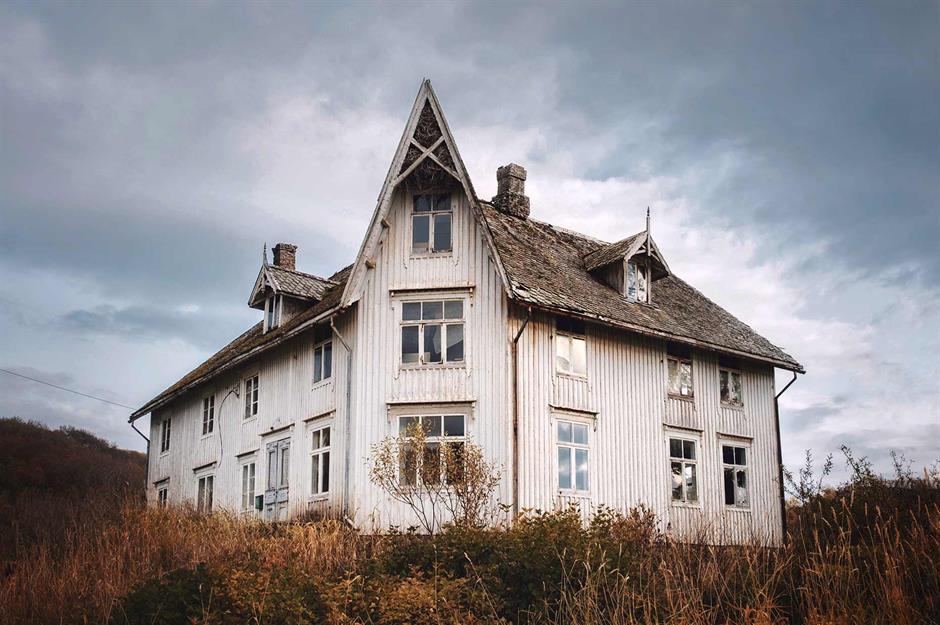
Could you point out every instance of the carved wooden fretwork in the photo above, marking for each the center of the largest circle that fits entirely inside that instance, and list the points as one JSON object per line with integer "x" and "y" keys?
{"x": 428, "y": 165}
{"x": 427, "y": 131}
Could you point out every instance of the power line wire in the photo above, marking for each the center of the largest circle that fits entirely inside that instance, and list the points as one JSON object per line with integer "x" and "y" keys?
{"x": 68, "y": 390}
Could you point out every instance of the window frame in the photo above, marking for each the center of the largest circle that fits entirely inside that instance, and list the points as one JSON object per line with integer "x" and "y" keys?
{"x": 570, "y": 336}
{"x": 574, "y": 447}
{"x": 680, "y": 360}
{"x": 696, "y": 462}
{"x": 166, "y": 431}
{"x": 249, "y": 466}
{"x": 440, "y": 439}
{"x": 252, "y": 405}
{"x": 731, "y": 371}
{"x": 163, "y": 493}
{"x": 321, "y": 455}
{"x": 430, "y": 252}
{"x": 273, "y": 309}
{"x": 736, "y": 468}
{"x": 208, "y": 415}
{"x": 205, "y": 483}
{"x": 321, "y": 347}
{"x": 422, "y": 323}
{"x": 641, "y": 274}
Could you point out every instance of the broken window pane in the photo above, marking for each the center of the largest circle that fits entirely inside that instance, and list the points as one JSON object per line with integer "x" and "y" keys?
{"x": 729, "y": 486}
{"x": 432, "y": 343}
{"x": 676, "y": 481}
{"x": 691, "y": 483}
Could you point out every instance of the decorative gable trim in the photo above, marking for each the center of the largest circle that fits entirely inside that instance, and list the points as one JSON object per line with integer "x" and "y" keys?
{"x": 425, "y": 143}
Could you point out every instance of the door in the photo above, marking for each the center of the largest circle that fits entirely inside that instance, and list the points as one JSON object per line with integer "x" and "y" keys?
{"x": 275, "y": 493}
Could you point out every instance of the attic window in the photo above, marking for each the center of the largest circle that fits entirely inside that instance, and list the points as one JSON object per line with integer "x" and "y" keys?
{"x": 431, "y": 220}
{"x": 637, "y": 290}
{"x": 272, "y": 313}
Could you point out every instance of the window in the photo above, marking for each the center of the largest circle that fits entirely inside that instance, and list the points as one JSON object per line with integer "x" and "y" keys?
{"x": 165, "y": 436}
{"x": 208, "y": 414}
{"x": 572, "y": 441}
{"x": 636, "y": 282}
{"x": 679, "y": 362}
{"x": 432, "y": 332}
{"x": 323, "y": 362}
{"x": 426, "y": 464}
{"x": 320, "y": 461}
{"x": 163, "y": 493}
{"x": 734, "y": 463}
{"x": 248, "y": 487}
{"x": 570, "y": 347}
{"x": 251, "y": 397}
{"x": 431, "y": 224}
{"x": 204, "y": 494}
{"x": 730, "y": 385}
{"x": 683, "y": 465}
{"x": 272, "y": 310}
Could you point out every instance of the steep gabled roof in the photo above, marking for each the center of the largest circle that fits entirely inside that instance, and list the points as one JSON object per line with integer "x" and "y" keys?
{"x": 289, "y": 282}
{"x": 546, "y": 268}
{"x": 251, "y": 343}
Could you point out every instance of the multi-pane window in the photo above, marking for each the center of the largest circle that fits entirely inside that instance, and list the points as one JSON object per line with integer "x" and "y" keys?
{"x": 323, "y": 362}
{"x": 572, "y": 443}
{"x": 425, "y": 465}
{"x": 208, "y": 414}
{"x": 683, "y": 462}
{"x": 734, "y": 462}
{"x": 272, "y": 310}
{"x": 679, "y": 363}
{"x": 432, "y": 332}
{"x": 636, "y": 282}
{"x": 431, "y": 221}
{"x": 570, "y": 347}
{"x": 730, "y": 386}
{"x": 204, "y": 494}
{"x": 320, "y": 460}
{"x": 251, "y": 397}
{"x": 248, "y": 487}
{"x": 165, "y": 435}
{"x": 163, "y": 493}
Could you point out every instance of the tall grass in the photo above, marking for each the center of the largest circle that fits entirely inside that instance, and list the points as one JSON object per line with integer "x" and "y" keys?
{"x": 868, "y": 552}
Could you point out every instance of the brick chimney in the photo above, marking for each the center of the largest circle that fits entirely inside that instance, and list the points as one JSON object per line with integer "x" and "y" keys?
{"x": 510, "y": 191}
{"x": 285, "y": 256}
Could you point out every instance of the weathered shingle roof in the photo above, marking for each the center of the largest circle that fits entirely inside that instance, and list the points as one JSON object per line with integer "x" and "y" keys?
{"x": 606, "y": 254}
{"x": 298, "y": 283}
{"x": 251, "y": 342}
{"x": 546, "y": 268}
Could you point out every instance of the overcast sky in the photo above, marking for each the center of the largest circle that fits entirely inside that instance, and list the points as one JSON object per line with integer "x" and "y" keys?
{"x": 790, "y": 154}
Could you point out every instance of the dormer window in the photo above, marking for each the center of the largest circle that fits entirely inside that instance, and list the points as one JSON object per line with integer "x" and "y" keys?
{"x": 272, "y": 313}
{"x": 637, "y": 290}
{"x": 431, "y": 220}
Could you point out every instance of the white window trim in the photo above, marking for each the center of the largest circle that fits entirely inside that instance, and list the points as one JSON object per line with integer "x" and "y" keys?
{"x": 691, "y": 363}
{"x": 317, "y": 454}
{"x": 746, "y": 445}
{"x": 411, "y": 215}
{"x": 729, "y": 404}
{"x": 166, "y": 435}
{"x": 432, "y": 410}
{"x": 243, "y": 463}
{"x": 570, "y": 336}
{"x": 697, "y": 439}
{"x": 206, "y": 475}
{"x": 420, "y": 323}
{"x": 163, "y": 487}
{"x": 212, "y": 415}
{"x": 589, "y": 424}
{"x": 313, "y": 360}
{"x": 244, "y": 385}
{"x": 278, "y": 303}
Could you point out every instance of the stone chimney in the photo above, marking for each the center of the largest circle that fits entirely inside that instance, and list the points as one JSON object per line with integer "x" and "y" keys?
{"x": 510, "y": 191}
{"x": 285, "y": 256}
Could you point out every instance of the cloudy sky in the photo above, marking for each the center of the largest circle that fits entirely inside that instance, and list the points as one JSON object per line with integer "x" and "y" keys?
{"x": 790, "y": 154}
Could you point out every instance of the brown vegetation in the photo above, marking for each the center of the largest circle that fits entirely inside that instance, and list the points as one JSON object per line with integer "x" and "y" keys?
{"x": 865, "y": 552}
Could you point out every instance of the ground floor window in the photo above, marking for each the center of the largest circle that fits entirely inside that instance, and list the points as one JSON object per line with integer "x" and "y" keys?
{"x": 734, "y": 464}
{"x": 163, "y": 494}
{"x": 204, "y": 494}
{"x": 320, "y": 460}
{"x": 248, "y": 487}
{"x": 683, "y": 464}
{"x": 427, "y": 465}
{"x": 572, "y": 449}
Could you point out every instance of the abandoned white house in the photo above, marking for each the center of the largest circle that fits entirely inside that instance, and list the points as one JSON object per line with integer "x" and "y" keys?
{"x": 587, "y": 370}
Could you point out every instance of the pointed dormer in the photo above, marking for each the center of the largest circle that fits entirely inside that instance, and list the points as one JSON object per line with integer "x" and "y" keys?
{"x": 630, "y": 266}
{"x": 281, "y": 291}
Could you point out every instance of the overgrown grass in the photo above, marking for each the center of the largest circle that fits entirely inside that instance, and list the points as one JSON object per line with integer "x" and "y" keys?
{"x": 868, "y": 552}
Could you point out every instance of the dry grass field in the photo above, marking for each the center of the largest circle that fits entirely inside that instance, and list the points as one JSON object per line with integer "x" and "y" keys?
{"x": 866, "y": 552}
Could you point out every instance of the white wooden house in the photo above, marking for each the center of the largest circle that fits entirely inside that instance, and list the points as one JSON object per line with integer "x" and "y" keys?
{"x": 589, "y": 371}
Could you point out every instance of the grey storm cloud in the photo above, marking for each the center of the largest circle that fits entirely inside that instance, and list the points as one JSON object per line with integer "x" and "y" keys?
{"x": 130, "y": 161}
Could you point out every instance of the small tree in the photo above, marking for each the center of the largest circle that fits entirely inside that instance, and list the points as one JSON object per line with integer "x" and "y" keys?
{"x": 432, "y": 477}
